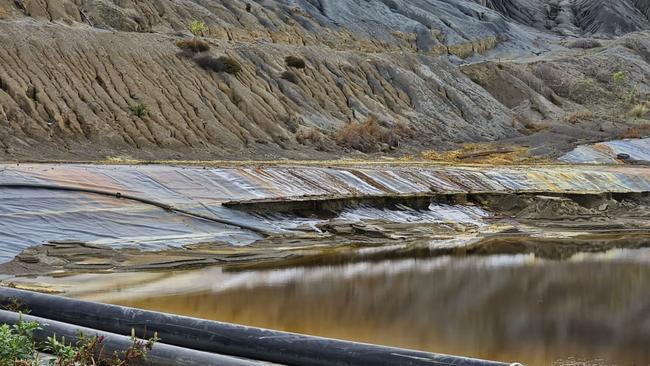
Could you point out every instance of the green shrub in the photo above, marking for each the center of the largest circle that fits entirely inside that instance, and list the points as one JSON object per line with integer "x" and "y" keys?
{"x": 17, "y": 346}
{"x": 139, "y": 110}
{"x": 295, "y": 61}
{"x": 194, "y": 45}
{"x": 221, "y": 64}
{"x": 619, "y": 78}
{"x": 198, "y": 28}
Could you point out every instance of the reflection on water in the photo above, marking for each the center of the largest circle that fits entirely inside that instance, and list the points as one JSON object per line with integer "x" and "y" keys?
{"x": 595, "y": 307}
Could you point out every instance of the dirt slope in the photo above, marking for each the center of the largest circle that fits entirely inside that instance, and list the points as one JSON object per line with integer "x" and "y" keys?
{"x": 432, "y": 73}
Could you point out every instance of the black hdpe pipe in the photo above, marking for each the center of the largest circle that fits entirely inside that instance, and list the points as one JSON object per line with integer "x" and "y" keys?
{"x": 228, "y": 339}
{"x": 164, "y": 206}
{"x": 160, "y": 354}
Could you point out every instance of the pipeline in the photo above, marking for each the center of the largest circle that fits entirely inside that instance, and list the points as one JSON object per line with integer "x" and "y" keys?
{"x": 228, "y": 339}
{"x": 160, "y": 354}
{"x": 147, "y": 201}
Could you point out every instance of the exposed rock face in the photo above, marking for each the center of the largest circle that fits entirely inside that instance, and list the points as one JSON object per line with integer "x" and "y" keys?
{"x": 72, "y": 71}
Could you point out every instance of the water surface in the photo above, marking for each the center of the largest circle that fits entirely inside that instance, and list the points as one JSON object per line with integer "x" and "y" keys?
{"x": 590, "y": 310}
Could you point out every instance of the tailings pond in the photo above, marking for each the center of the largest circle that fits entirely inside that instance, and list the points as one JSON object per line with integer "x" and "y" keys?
{"x": 587, "y": 310}
{"x": 544, "y": 265}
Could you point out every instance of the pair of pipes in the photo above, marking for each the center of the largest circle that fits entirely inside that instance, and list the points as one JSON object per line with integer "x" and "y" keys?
{"x": 190, "y": 341}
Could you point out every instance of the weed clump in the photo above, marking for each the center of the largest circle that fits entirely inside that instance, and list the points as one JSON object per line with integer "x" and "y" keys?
{"x": 198, "y": 28}
{"x": 139, "y": 110}
{"x": 19, "y": 347}
{"x": 639, "y": 110}
{"x": 220, "y": 64}
{"x": 290, "y": 76}
{"x": 193, "y": 45}
{"x": 295, "y": 62}
{"x": 370, "y": 136}
{"x": 313, "y": 137}
{"x": 619, "y": 78}
{"x": 580, "y": 116}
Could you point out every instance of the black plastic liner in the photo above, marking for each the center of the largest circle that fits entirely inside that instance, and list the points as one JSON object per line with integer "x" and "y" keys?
{"x": 228, "y": 339}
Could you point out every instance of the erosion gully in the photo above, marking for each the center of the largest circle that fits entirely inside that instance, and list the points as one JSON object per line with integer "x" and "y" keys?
{"x": 539, "y": 264}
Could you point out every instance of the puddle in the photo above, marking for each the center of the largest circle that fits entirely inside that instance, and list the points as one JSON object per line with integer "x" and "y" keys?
{"x": 591, "y": 309}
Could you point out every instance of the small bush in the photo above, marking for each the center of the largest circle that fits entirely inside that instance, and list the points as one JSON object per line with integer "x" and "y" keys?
{"x": 194, "y": 45}
{"x": 249, "y": 7}
{"x": 619, "y": 78}
{"x": 139, "y": 110}
{"x": 639, "y": 110}
{"x": 369, "y": 136}
{"x": 313, "y": 137}
{"x": 295, "y": 61}
{"x": 290, "y": 76}
{"x": 584, "y": 44}
{"x": 220, "y": 64}
{"x": 198, "y": 28}
{"x": 17, "y": 346}
{"x": 580, "y": 116}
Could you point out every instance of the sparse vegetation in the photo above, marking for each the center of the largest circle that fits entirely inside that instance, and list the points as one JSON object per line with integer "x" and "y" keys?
{"x": 580, "y": 116}
{"x": 295, "y": 62}
{"x": 636, "y": 132}
{"x": 314, "y": 137}
{"x": 640, "y": 110}
{"x": 290, "y": 76}
{"x": 194, "y": 45}
{"x": 370, "y": 136}
{"x": 198, "y": 28}
{"x": 139, "y": 110}
{"x": 632, "y": 95}
{"x": 584, "y": 44}
{"x": 483, "y": 153}
{"x": 619, "y": 78}
{"x": 219, "y": 64}
{"x": 18, "y": 348}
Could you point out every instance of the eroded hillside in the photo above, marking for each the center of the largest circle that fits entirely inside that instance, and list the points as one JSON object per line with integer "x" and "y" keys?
{"x": 92, "y": 79}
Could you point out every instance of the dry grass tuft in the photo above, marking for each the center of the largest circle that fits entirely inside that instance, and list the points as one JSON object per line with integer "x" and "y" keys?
{"x": 640, "y": 110}
{"x": 313, "y": 137}
{"x": 636, "y": 132}
{"x": 482, "y": 153}
{"x": 576, "y": 117}
{"x": 370, "y": 137}
{"x": 193, "y": 45}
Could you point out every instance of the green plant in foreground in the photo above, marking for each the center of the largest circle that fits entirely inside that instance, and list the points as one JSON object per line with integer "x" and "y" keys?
{"x": 17, "y": 346}
{"x": 198, "y": 28}
{"x": 139, "y": 110}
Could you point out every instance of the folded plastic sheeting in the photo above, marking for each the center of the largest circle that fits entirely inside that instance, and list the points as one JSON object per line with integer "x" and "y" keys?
{"x": 607, "y": 152}
{"x": 30, "y": 216}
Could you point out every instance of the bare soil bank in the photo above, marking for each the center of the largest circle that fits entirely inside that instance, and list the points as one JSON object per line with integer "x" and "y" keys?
{"x": 90, "y": 80}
